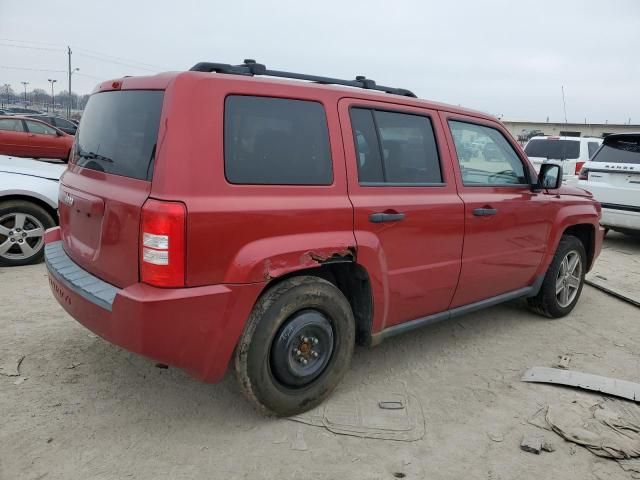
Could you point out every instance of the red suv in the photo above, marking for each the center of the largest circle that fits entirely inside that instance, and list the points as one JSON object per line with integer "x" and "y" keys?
{"x": 217, "y": 215}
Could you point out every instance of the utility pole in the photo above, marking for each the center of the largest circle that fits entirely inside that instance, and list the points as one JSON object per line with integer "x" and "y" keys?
{"x": 69, "y": 102}
{"x": 25, "y": 92}
{"x": 564, "y": 105}
{"x": 7, "y": 86}
{"x": 53, "y": 98}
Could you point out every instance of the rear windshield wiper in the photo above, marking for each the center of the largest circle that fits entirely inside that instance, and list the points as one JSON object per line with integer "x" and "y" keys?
{"x": 94, "y": 156}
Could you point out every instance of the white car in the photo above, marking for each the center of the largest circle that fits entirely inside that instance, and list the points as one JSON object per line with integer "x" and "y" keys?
{"x": 570, "y": 152}
{"x": 28, "y": 206}
{"x": 613, "y": 176}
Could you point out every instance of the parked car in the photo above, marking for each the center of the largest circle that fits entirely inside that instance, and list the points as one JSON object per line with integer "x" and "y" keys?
{"x": 20, "y": 111}
{"x": 28, "y": 137}
{"x": 28, "y": 206}
{"x": 278, "y": 222}
{"x": 613, "y": 176}
{"x": 570, "y": 152}
{"x": 527, "y": 135}
{"x": 60, "y": 123}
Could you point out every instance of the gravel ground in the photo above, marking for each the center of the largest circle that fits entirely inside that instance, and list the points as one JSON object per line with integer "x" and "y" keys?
{"x": 83, "y": 408}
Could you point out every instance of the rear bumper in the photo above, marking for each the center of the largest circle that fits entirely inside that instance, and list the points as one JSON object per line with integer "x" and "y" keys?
{"x": 615, "y": 217}
{"x": 195, "y": 329}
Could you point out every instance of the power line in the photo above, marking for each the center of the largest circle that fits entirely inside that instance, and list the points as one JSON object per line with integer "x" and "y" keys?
{"x": 5, "y": 67}
{"x": 137, "y": 62}
{"x": 117, "y": 62}
{"x": 28, "y": 47}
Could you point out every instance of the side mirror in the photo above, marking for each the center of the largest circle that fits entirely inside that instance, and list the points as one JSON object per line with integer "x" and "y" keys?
{"x": 550, "y": 176}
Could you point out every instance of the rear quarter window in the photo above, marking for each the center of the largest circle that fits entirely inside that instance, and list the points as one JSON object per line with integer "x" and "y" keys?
{"x": 276, "y": 141}
{"x": 119, "y": 131}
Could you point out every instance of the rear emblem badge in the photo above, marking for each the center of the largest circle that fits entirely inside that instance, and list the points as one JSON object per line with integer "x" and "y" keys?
{"x": 68, "y": 199}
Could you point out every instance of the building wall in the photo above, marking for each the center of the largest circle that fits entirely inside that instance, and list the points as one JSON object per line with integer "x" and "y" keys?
{"x": 586, "y": 130}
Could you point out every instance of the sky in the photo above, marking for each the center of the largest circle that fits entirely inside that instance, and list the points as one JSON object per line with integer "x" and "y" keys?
{"x": 507, "y": 58}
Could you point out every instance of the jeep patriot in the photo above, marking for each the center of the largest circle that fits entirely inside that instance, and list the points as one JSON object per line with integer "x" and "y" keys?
{"x": 224, "y": 214}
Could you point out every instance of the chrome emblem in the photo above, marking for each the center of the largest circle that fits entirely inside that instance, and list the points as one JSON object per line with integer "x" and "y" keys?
{"x": 68, "y": 199}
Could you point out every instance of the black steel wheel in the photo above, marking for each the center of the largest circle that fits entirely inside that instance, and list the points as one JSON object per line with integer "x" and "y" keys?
{"x": 296, "y": 346}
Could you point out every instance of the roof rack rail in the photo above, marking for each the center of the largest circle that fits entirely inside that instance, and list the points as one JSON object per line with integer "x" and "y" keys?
{"x": 251, "y": 68}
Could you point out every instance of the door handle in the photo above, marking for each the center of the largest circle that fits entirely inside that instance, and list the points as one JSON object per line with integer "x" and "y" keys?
{"x": 484, "y": 212}
{"x": 386, "y": 217}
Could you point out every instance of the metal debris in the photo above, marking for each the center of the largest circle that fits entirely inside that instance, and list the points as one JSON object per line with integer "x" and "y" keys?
{"x": 563, "y": 362}
{"x": 587, "y": 381}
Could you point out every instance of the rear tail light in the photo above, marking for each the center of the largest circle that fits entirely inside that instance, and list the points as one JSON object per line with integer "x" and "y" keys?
{"x": 583, "y": 174}
{"x": 162, "y": 243}
{"x": 579, "y": 166}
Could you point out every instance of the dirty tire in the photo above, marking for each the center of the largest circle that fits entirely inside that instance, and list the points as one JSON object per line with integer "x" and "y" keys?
{"x": 275, "y": 308}
{"x": 12, "y": 207}
{"x": 546, "y": 302}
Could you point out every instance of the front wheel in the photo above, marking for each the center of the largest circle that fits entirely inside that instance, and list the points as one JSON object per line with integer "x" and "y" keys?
{"x": 296, "y": 347}
{"x": 563, "y": 281}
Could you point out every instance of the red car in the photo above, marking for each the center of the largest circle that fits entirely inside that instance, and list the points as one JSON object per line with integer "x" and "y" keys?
{"x": 28, "y": 137}
{"x": 216, "y": 215}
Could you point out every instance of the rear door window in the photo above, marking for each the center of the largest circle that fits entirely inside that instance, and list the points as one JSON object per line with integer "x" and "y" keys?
{"x": 119, "y": 131}
{"x": 276, "y": 141}
{"x": 553, "y": 149}
{"x": 10, "y": 125}
{"x": 395, "y": 148}
{"x": 623, "y": 150}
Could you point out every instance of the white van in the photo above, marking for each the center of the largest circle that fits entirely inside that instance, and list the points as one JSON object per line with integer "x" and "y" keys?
{"x": 570, "y": 152}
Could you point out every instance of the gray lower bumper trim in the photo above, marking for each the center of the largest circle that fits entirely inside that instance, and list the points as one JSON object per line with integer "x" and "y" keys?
{"x": 76, "y": 279}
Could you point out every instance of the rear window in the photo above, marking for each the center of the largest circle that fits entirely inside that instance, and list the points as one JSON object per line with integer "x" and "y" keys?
{"x": 276, "y": 141}
{"x": 119, "y": 131}
{"x": 554, "y": 149}
{"x": 623, "y": 150}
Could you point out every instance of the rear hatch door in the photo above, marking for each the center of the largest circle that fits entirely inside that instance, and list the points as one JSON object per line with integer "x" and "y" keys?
{"x": 554, "y": 150}
{"x": 614, "y": 172}
{"x": 108, "y": 181}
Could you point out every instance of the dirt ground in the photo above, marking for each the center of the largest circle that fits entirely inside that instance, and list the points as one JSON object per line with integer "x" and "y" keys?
{"x": 83, "y": 408}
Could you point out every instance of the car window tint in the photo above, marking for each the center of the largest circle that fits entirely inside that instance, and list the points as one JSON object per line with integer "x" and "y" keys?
{"x": 395, "y": 148}
{"x": 592, "y": 146}
{"x": 10, "y": 125}
{"x": 276, "y": 141}
{"x": 367, "y": 147}
{"x": 621, "y": 150}
{"x": 409, "y": 152}
{"x": 41, "y": 128}
{"x": 485, "y": 156}
{"x": 553, "y": 148}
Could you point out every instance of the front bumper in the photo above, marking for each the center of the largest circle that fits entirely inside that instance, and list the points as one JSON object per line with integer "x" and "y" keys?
{"x": 195, "y": 329}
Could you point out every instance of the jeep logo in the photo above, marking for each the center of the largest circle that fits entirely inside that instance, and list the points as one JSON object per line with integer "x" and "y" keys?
{"x": 68, "y": 199}
{"x": 62, "y": 296}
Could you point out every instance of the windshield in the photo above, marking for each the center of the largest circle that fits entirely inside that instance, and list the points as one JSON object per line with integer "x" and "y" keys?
{"x": 119, "y": 131}
{"x": 555, "y": 149}
{"x": 623, "y": 150}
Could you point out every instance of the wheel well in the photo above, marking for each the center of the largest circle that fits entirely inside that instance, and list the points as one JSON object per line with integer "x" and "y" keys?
{"x": 585, "y": 232}
{"x": 36, "y": 201}
{"x": 353, "y": 281}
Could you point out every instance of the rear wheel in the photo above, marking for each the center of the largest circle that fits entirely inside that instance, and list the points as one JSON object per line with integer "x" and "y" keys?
{"x": 22, "y": 227}
{"x": 563, "y": 281}
{"x": 296, "y": 346}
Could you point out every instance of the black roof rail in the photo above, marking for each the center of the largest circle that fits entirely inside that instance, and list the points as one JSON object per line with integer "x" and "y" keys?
{"x": 251, "y": 68}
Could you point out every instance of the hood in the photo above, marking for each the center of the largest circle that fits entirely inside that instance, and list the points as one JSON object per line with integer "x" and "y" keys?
{"x": 31, "y": 167}
{"x": 574, "y": 191}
